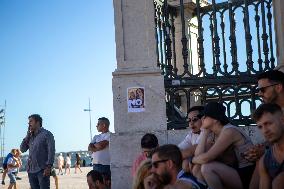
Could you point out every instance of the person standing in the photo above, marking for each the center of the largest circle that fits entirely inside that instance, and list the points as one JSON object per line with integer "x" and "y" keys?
{"x": 5, "y": 166}
{"x": 13, "y": 164}
{"x": 60, "y": 163}
{"x": 78, "y": 163}
{"x": 67, "y": 163}
{"x": 41, "y": 145}
{"x": 100, "y": 147}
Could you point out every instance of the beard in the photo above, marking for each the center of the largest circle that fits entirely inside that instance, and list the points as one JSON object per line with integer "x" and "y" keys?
{"x": 165, "y": 178}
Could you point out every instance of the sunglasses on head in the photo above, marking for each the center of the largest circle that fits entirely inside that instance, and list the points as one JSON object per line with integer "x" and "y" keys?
{"x": 155, "y": 164}
{"x": 263, "y": 89}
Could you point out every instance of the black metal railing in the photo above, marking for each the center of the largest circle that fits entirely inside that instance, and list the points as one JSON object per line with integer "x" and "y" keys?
{"x": 214, "y": 53}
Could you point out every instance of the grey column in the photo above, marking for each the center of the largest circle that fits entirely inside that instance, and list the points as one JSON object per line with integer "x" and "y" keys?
{"x": 136, "y": 67}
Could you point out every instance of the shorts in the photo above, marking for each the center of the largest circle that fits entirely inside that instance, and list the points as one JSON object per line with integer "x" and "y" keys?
{"x": 246, "y": 174}
{"x": 12, "y": 177}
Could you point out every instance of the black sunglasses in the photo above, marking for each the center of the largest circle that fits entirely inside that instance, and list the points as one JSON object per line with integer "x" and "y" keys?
{"x": 263, "y": 89}
{"x": 155, "y": 164}
{"x": 199, "y": 116}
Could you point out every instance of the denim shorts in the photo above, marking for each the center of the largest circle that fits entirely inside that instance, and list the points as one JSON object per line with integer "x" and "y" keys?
{"x": 12, "y": 177}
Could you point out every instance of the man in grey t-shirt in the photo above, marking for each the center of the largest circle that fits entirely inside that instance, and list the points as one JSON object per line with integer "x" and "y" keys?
{"x": 41, "y": 145}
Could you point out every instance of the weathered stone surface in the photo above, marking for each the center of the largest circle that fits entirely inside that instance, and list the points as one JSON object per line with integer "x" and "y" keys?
{"x": 154, "y": 116}
{"x": 122, "y": 177}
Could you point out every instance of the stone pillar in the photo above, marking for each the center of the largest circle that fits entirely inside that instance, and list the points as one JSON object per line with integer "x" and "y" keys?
{"x": 278, "y": 7}
{"x": 136, "y": 67}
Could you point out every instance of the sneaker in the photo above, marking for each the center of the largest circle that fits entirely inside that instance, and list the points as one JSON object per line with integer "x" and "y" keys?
{"x": 3, "y": 183}
{"x": 18, "y": 178}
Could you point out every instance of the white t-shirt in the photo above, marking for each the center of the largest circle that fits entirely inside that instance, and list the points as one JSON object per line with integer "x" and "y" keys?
{"x": 190, "y": 139}
{"x": 60, "y": 160}
{"x": 68, "y": 160}
{"x": 12, "y": 161}
{"x": 102, "y": 156}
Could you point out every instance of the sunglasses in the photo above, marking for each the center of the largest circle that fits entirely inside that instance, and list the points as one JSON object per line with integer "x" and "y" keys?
{"x": 195, "y": 119}
{"x": 155, "y": 164}
{"x": 263, "y": 89}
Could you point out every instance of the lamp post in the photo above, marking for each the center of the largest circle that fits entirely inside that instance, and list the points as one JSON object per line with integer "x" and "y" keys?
{"x": 89, "y": 110}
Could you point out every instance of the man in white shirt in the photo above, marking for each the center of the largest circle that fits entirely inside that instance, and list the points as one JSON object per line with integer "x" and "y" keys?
{"x": 188, "y": 145}
{"x": 100, "y": 148}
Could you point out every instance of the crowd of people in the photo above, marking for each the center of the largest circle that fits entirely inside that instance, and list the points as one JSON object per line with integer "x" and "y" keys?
{"x": 214, "y": 154}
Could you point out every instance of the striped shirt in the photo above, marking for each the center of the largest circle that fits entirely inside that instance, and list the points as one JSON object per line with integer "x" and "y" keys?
{"x": 41, "y": 148}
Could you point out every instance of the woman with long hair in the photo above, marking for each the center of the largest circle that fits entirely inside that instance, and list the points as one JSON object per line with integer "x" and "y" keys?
{"x": 78, "y": 163}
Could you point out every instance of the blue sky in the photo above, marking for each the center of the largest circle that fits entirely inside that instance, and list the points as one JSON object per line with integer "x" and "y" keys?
{"x": 54, "y": 55}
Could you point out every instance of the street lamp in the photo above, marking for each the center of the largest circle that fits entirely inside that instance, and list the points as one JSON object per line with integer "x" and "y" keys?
{"x": 89, "y": 110}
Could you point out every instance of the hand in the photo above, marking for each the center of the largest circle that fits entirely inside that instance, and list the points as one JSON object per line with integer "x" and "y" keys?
{"x": 29, "y": 133}
{"x": 151, "y": 182}
{"x": 255, "y": 152}
{"x": 47, "y": 171}
{"x": 91, "y": 147}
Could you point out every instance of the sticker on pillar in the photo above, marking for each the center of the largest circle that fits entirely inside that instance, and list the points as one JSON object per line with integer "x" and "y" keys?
{"x": 136, "y": 99}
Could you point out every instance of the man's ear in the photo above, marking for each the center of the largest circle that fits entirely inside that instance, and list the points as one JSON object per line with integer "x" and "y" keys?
{"x": 97, "y": 183}
{"x": 170, "y": 164}
{"x": 282, "y": 117}
{"x": 279, "y": 88}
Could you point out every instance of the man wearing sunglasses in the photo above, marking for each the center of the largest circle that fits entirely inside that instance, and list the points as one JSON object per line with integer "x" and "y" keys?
{"x": 188, "y": 145}
{"x": 271, "y": 90}
{"x": 271, "y": 87}
{"x": 167, "y": 165}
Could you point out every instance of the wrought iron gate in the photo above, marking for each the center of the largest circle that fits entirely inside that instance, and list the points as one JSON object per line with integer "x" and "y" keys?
{"x": 213, "y": 53}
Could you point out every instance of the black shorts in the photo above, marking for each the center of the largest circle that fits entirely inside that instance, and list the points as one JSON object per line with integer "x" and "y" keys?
{"x": 246, "y": 174}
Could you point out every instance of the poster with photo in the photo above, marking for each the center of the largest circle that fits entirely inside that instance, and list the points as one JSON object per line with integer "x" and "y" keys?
{"x": 136, "y": 99}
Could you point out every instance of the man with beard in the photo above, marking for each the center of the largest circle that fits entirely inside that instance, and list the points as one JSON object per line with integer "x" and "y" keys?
{"x": 271, "y": 87}
{"x": 270, "y": 120}
{"x": 167, "y": 165}
{"x": 271, "y": 90}
{"x": 41, "y": 145}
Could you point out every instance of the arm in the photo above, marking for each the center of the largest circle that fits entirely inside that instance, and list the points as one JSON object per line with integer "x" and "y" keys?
{"x": 255, "y": 152}
{"x": 51, "y": 153}
{"x": 11, "y": 163}
{"x": 201, "y": 147}
{"x": 188, "y": 152}
{"x": 264, "y": 181}
{"x": 25, "y": 143}
{"x": 98, "y": 146}
{"x": 226, "y": 138}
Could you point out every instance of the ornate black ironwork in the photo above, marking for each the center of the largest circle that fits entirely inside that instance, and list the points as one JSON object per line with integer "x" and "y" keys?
{"x": 235, "y": 42}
